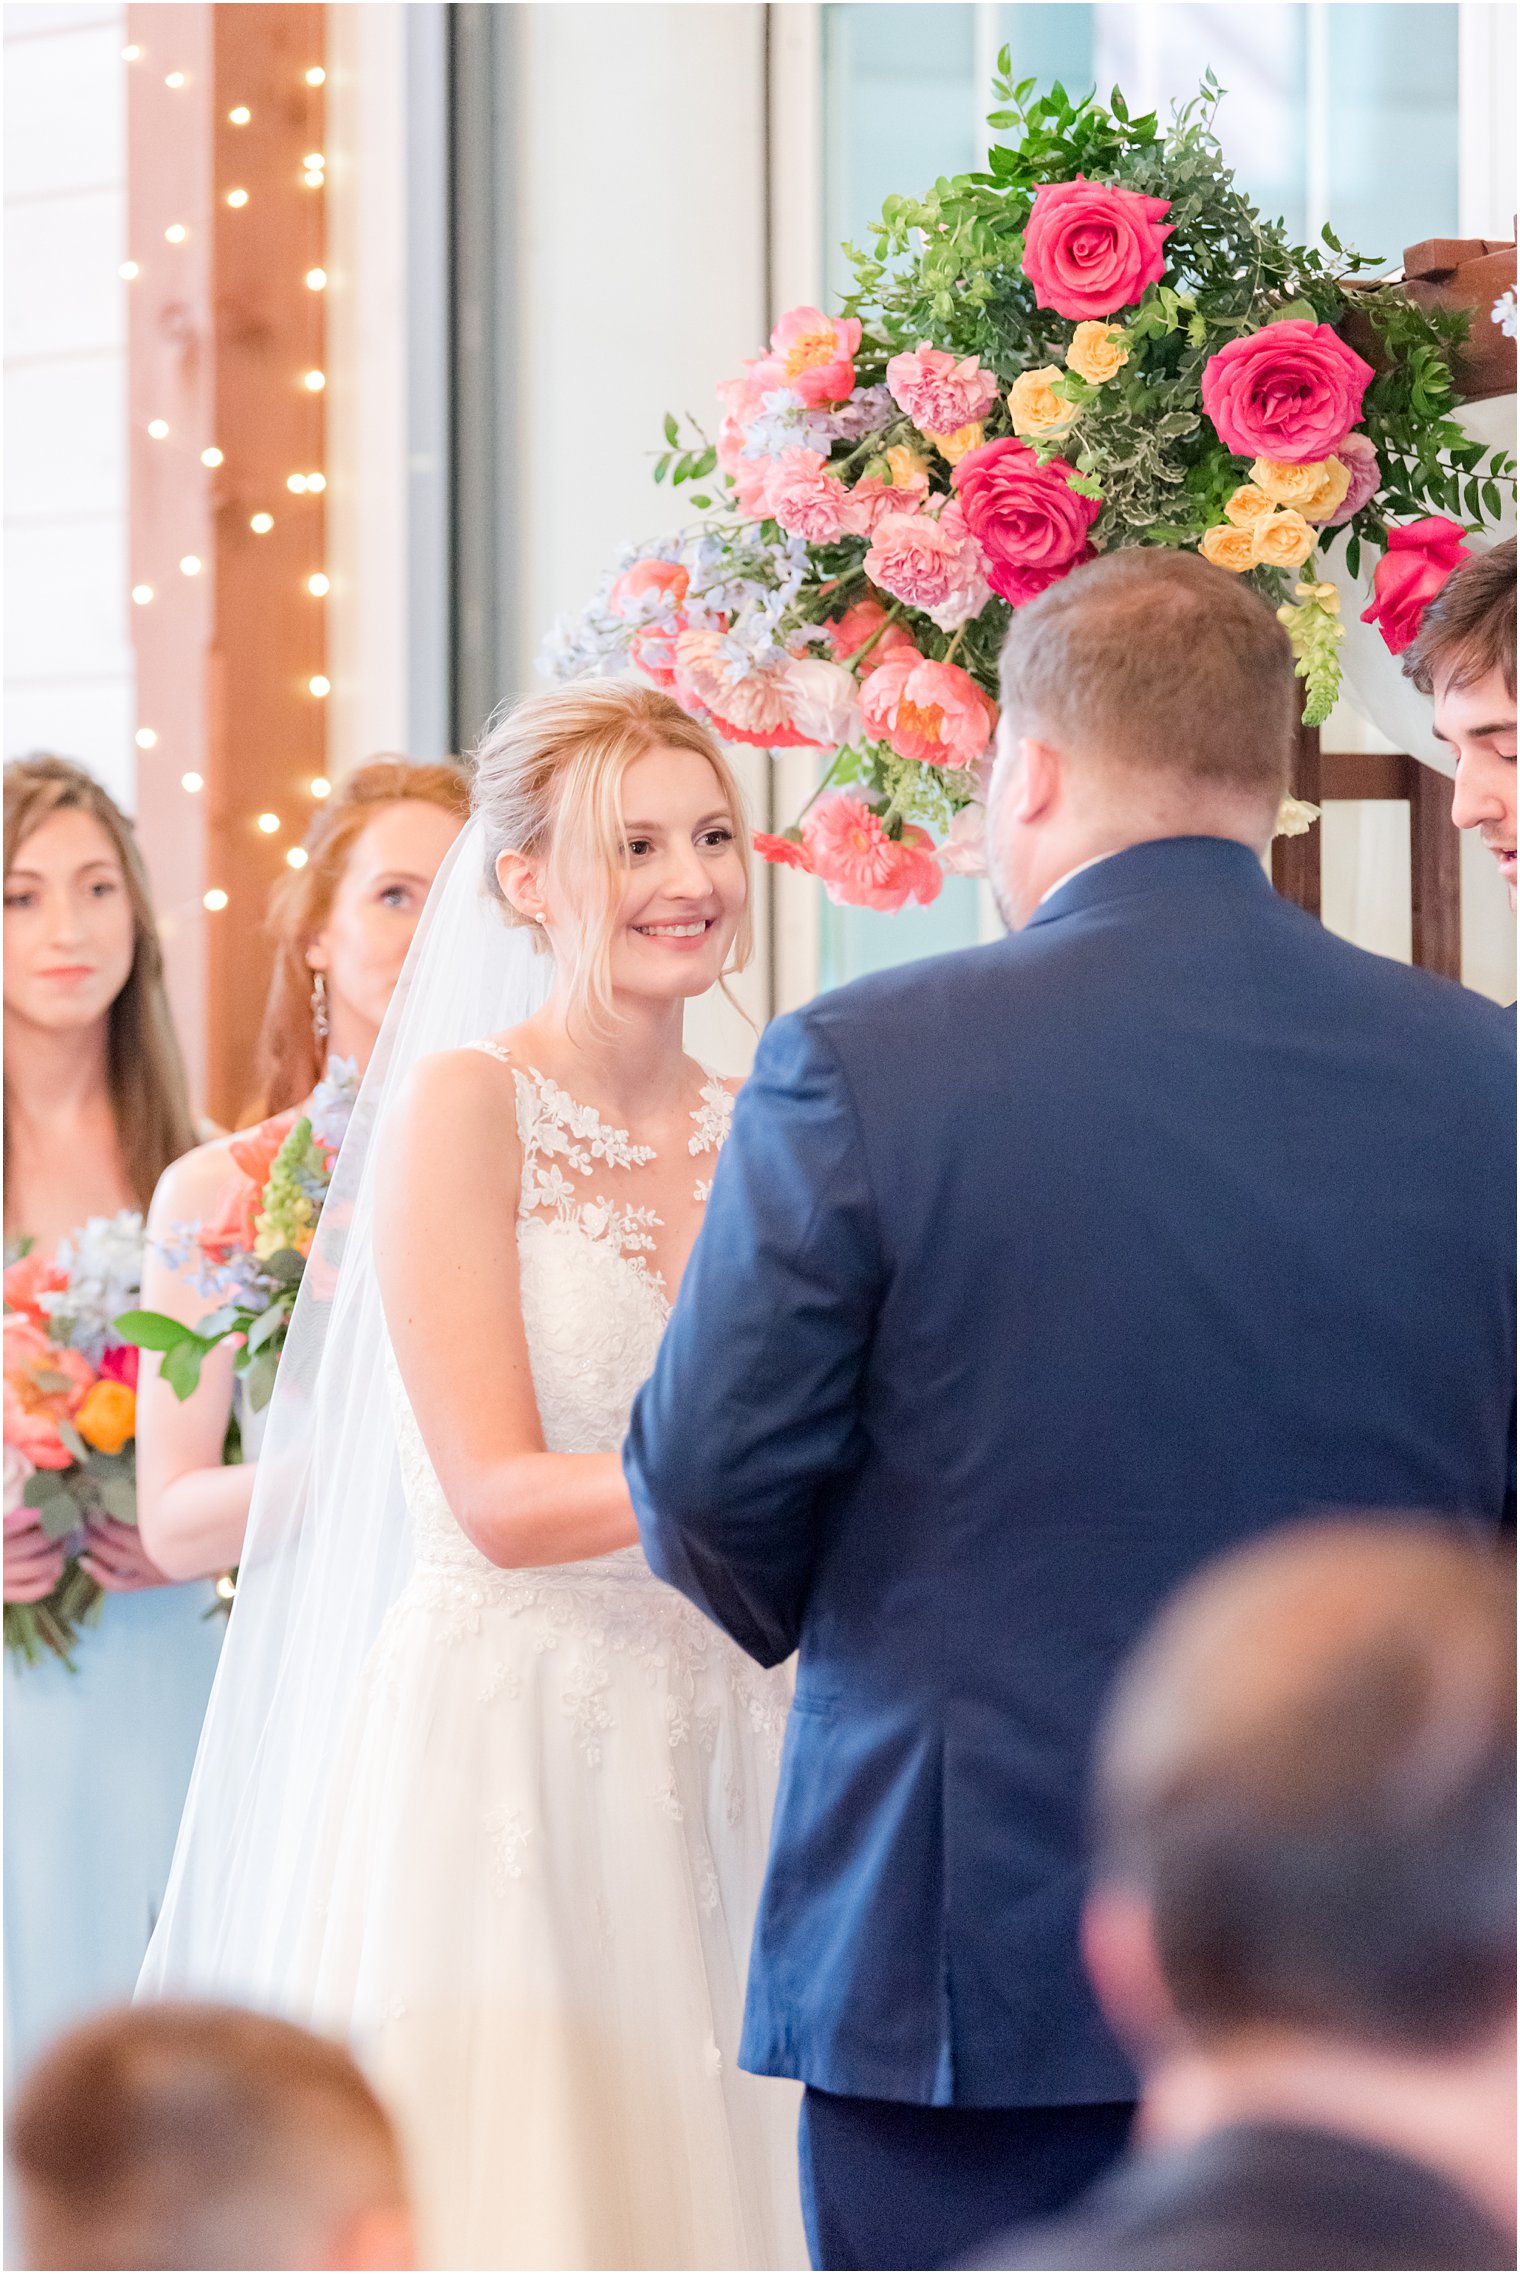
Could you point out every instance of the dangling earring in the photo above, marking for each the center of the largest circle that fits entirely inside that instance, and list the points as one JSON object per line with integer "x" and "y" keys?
{"x": 320, "y": 1022}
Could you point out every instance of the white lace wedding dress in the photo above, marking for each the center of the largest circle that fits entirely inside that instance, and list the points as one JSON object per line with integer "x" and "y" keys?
{"x": 537, "y": 1883}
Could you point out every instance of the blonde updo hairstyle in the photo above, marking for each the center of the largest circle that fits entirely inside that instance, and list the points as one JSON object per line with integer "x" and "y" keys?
{"x": 549, "y": 780}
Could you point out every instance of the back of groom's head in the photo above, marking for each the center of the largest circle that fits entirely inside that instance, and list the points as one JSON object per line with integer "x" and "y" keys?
{"x": 1171, "y": 675}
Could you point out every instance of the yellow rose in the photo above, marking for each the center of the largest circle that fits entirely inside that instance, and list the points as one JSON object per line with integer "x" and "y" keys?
{"x": 1097, "y": 352}
{"x": 107, "y": 1417}
{"x": 1248, "y": 506}
{"x": 1038, "y": 413}
{"x": 1287, "y": 484}
{"x": 955, "y": 446}
{"x": 908, "y": 468}
{"x": 1228, "y": 548}
{"x": 1334, "y": 481}
{"x": 1282, "y": 540}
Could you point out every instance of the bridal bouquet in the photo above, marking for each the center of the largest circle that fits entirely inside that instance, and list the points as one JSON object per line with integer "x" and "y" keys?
{"x": 1094, "y": 341}
{"x": 252, "y": 1255}
{"x": 70, "y": 1415}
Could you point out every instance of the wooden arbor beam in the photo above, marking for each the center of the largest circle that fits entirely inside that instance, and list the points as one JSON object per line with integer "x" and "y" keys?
{"x": 226, "y": 363}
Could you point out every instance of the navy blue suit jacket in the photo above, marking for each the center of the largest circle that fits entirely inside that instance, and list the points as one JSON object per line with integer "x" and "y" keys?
{"x": 1033, "y": 1276}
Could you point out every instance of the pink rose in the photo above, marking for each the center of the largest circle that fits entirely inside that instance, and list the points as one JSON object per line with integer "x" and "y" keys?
{"x": 938, "y": 392}
{"x": 1291, "y": 391}
{"x": 1089, "y": 249}
{"x": 805, "y": 497}
{"x": 32, "y": 1409}
{"x": 752, "y": 708}
{"x": 862, "y": 621}
{"x": 860, "y": 866}
{"x": 931, "y": 562}
{"x": 934, "y": 712}
{"x": 813, "y": 354}
{"x": 1360, "y": 460}
{"x": 641, "y": 590}
{"x": 823, "y": 700}
{"x": 1419, "y": 559}
{"x": 1030, "y": 524}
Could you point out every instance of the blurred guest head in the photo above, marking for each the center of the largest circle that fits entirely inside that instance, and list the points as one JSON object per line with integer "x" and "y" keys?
{"x": 1304, "y": 1898}
{"x": 82, "y": 958}
{"x": 344, "y": 921}
{"x": 1146, "y": 695}
{"x": 203, "y": 2136}
{"x": 1465, "y": 659}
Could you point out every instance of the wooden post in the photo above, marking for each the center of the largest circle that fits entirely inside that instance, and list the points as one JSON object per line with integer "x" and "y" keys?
{"x": 1435, "y": 873}
{"x": 1295, "y": 860}
{"x": 226, "y": 336}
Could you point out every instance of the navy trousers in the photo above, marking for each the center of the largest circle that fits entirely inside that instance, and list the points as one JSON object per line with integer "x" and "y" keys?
{"x": 887, "y": 2184}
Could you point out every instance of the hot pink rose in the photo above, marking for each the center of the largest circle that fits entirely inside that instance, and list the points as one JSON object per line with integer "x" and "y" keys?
{"x": 862, "y": 622}
{"x": 33, "y": 1410}
{"x": 813, "y": 354}
{"x": 938, "y": 391}
{"x": 934, "y": 712}
{"x": 1291, "y": 391}
{"x": 1030, "y": 524}
{"x": 1360, "y": 460}
{"x": 805, "y": 497}
{"x": 751, "y": 709}
{"x": 646, "y": 580}
{"x": 1089, "y": 249}
{"x": 1419, "y": 559}
{"x": 121, "y": 1364}
{"x": 860, "y": 866}
{"x": 931, "y": 562}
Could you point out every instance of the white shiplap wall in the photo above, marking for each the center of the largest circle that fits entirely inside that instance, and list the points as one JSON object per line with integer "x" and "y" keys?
{"x": 68, "y": 657}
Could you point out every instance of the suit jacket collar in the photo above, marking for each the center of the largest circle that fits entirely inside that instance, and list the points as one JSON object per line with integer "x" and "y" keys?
{"x": 1182, "y": 865}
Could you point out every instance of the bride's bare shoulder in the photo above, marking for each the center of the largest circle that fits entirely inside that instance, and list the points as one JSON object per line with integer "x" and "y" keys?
{"x": 455, "y": 1106}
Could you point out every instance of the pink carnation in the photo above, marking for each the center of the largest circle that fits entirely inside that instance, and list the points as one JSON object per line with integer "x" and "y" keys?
{"x": 930, "y": 562}
{"x": 1360, "y": 460}
{"x": 1090, "y": 249}
{"x": 939, "y": 392}
{"x": 875, "y": 496}
{"x": 1031, "y": 526}
{"x": 860, "y": 866}
{"x": 862, "y": 622}
{"x": 805, "y": 497}
{"x": 645, "y": 581}
{"x": 1291, "y": 391}
{"x": 751, "y": 709}
{"x": 813, "y": 354}
{"x": 934, "y": 712}
{"x": 1419, "y": 559}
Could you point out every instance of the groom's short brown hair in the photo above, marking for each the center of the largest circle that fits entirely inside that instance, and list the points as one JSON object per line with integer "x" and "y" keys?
{"x": 1155, "y": 662}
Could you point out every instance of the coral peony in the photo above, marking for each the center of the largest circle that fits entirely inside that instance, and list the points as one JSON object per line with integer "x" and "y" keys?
{"x": 860, "y": 866}
{"x": 1419, "y": 559}
{"x": 931, "y": 562}
{"x": 1089, "y": 249}
{"x": 26, "y": 1281}
{"x": 1364, "y": 474}
{"x": 107, "y": 1416}
{"x": 934, "y": 712}
{"x": 1290, "y": 392}
{"x": 823, "y": 701}
{"x": 744, "y": 396}
{"x": 938, "y": 391}
{"x": 814, "y": 355}
{"x": 1098, "y": 352}
{"x": 647, "y": 587}
{"x": 784, "y": 852}
{"x": 863, "y": 621}
{"x": 235, "y": 1226}
{"x": 44, "y": 1383}
{"x": 1030, "y": 525}
{"x": 1035, "y": 411}
{"x": 751, "y": 708}
{"x": 805, "y": 497}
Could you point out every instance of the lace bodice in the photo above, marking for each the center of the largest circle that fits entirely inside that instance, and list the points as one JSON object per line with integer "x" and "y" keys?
{"x": 594, "y": 1306}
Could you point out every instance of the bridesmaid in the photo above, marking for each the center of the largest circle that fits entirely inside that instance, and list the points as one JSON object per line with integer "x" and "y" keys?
{"x": 342, "y": 925}
{"x": 96, "y": 1762}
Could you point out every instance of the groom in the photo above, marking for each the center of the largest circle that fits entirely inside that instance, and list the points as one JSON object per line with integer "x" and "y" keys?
{"x": 1033, "y": 1277}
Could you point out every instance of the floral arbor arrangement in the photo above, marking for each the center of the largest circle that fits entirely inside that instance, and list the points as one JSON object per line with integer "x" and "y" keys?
{"x": 1094, "y": 341}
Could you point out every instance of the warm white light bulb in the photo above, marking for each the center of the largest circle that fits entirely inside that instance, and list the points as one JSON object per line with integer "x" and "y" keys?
{"x": 297, "y": 857}
{"x": 315, "y": 160}
{"x": 319, "y": 585}
{"x": 214, "y": 900}
{"x": 193, "y": 783}
{"x": 315, "y": 382}
{"x": 320, "y": 786}
{"x": 226, "y": 1588}
{"x": 131, "y": 54}
{"x": 313, "y": 179}
{"x": 237, "y": 197}
{"x": 319, "y": 685}
{"x": 315, "y": 76}
{"x": 176, "y": 233}
{"x": 128, "y": 270}
{"x": 211, "y": 456}
{"x": 296, "y": 482}
{"x": 174, "y": 78}
{"x": 316, "y": 280}
{"x": 142, "y": 594}
{"x": 145, "y": 738}
{"x": 261, "y": 524}
{"x": 190, "y": 565}
{"x": 316, "y": 481}
{"x": 158, "y": 428}
{"x": 240, "y": 116}
{"x": 269, "y": 823}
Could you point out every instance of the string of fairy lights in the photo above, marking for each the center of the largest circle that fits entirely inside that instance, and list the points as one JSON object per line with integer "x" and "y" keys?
{"x": 302, "y": 482}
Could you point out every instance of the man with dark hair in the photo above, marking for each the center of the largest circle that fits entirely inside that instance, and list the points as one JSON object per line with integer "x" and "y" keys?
{"x": 203, "y": 2136}
{"x": 1464, "y": 658}
{"x": 1034, "y": 1277}
{"x": 1303, "y": 1914}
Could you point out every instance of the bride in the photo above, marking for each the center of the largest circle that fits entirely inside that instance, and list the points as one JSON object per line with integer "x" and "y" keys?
{"x": 476, "y": 1790}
